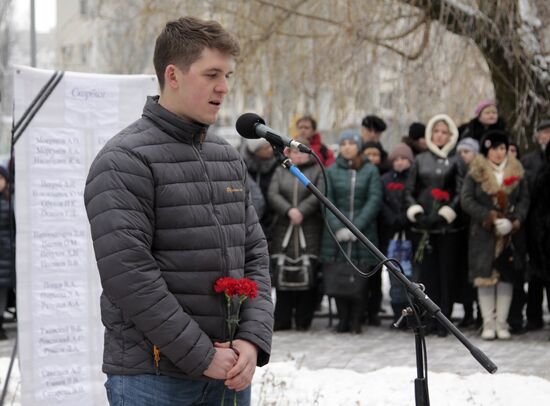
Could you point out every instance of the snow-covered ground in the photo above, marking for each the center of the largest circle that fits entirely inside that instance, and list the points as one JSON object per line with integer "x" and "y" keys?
{"x": 289, "y": 384}
{"x": 285, "y": 384}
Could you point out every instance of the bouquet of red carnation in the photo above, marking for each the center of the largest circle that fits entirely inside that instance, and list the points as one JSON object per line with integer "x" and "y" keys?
{"x": 395, "y": 186}
{"x": 241, "y": 289}
{"x": 236, "y": 292}
{"x": 440, "y": 198}
{"x": 510, "y": 180}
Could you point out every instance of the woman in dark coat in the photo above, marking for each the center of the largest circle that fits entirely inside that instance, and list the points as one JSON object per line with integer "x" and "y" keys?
{"x": 295, "y": 205}
{"x": 7, "y": 246}
{"x": 432, "y": 193}
{"x": 355, "y": 189}
{"x": 539, "y": 224}
{"x": 496, "y": 198}
{"x": 486, "y": 119}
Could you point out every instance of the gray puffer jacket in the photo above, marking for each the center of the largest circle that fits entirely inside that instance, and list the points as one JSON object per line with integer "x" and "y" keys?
{"x": 169, "y": 215}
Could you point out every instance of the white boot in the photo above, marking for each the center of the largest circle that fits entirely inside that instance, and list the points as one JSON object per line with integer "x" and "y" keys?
{"x": 486, "y": 297}
{"x": 504, "y": 300}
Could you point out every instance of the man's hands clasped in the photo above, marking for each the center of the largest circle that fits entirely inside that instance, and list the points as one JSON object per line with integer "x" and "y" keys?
{"x": 235, "y": 365}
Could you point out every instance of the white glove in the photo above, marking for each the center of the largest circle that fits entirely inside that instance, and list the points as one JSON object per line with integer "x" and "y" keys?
{"x": 503, "y": 226}
{"x": 342, "y": 235}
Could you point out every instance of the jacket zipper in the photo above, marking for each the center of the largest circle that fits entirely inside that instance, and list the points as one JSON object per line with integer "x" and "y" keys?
{"x": 198, "y": 153}
{"x": 352, "y": 203}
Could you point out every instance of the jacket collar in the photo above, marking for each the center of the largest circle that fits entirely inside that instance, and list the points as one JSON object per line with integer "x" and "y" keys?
{"x": 482, "y": 172}
{"x": 172, "y": 124}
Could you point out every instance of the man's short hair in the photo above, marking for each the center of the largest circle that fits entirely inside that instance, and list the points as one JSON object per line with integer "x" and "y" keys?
{"x": 182, "y": 41}
{"x": 374, "y": 123}
{"x": 307, "y": 118}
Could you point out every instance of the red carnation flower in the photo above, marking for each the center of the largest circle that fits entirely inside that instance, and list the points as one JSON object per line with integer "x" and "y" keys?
{"x": 395, "y": 186}
{"x": 226, "y": 285}
{"x": 509, "y": 180}
{"x": 440, "y": 195}
{"x": 247, "y": 287}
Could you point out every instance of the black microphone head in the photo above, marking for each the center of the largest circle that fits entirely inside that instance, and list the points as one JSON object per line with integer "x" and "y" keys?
{"x": 246, "y": 124}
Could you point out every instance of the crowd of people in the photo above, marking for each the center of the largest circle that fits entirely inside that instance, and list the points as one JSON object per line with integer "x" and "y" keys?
{"x": 457, "y": 205}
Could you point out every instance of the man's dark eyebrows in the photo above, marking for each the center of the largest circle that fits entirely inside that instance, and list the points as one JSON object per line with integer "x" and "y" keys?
{"x": 218, "y": 70}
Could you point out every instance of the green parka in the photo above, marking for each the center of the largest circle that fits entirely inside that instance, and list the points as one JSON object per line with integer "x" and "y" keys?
{"x": 358, "y": 195}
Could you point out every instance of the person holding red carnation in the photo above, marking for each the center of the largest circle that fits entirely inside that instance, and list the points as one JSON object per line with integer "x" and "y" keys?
{"x": 432, "y": 193}
{"x": 170, "y": 212}
{"x": 392, "y": 218}
{"x": 496, "y": 197}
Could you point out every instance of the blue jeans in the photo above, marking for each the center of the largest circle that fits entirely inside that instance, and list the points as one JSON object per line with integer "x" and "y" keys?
{"x": 159, "y": 390}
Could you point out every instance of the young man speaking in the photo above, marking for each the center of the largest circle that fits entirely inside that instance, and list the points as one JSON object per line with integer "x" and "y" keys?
{"x": 169, "y": 215}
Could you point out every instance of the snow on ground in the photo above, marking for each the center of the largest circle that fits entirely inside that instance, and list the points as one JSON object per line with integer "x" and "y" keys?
{"x": 284, "y": 384}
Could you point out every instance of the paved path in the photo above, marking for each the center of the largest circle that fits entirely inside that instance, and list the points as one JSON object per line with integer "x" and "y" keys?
{"x": 379, "y": 347}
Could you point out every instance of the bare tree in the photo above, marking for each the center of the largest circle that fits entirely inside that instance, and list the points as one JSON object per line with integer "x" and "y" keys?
{"x": 339, "y": 59}
{"x": 509, "y": 34}
{"x": 5, "y": 45}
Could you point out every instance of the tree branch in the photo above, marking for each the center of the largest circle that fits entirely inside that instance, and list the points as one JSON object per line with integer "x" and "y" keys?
{"x": 463, "y": 21}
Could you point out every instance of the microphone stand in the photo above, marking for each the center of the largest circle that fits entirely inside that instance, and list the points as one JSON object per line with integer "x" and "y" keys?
{"x": 415, "y": 290}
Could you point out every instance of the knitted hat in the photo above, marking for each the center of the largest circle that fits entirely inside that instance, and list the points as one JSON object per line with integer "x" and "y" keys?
{"x": 468, "y": 144}
{"x": 483, "y": 104}
{"x": 255, "y": 144}
{"x": 543, "y": 124}
{"x": 374, "y": 123}
{"x": 493, "y": 139}
{"x": 401, "y": 150}
{"x": 417, "y": 130}
{"x": 351, "y": 135}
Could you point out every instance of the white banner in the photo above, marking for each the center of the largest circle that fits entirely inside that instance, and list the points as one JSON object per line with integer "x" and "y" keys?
{"x": 59, "y": 325}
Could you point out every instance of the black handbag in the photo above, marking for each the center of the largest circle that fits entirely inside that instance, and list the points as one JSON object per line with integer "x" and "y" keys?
{"x": 341, "y": 280}
{"x": 293, "y": 273}
{"x": 509, "y": 264}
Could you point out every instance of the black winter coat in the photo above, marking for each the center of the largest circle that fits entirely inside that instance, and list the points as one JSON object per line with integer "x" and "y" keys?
{"x": 533, "y": 163}
{"x": 429, "y": 172}
{"x": 169, "y": 215}
{"x": 474, "y": 129}
{"x": 436, "y": 169}
{"x": 539, "y": 225}
{"x": 261, "y": 172}
{"x": 393, "y": 213}
{"x": 7, "y": 245}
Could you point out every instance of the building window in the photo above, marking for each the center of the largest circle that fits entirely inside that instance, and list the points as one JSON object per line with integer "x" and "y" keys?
{"x": 85, "y": 53}
{"x": 84, "y": 8}
{"x": 67, "y": 53}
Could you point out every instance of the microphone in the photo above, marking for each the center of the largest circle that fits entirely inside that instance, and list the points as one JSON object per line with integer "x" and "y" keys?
{"x": 251, "y": 125}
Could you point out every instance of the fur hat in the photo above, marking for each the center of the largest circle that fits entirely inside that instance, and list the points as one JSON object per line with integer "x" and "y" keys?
{"x": 493, "y": 139}
{"x": 417, "y": 130}
{"x": 255, "y": 144}
{"x": 468, "y": 144}
{"x": 543, "y": 124}
{"x": 351, "y": 135}
{"x": 483, "y": 104}
{"x": 401, "y": 150}
{"x": 374, "y": 123}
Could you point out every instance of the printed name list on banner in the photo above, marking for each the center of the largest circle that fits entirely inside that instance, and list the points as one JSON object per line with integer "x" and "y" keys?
{"x": 58, "y": 287}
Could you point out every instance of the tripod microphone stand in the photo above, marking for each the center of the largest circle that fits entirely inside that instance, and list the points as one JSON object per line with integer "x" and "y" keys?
{"x": 421, "y": 300}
